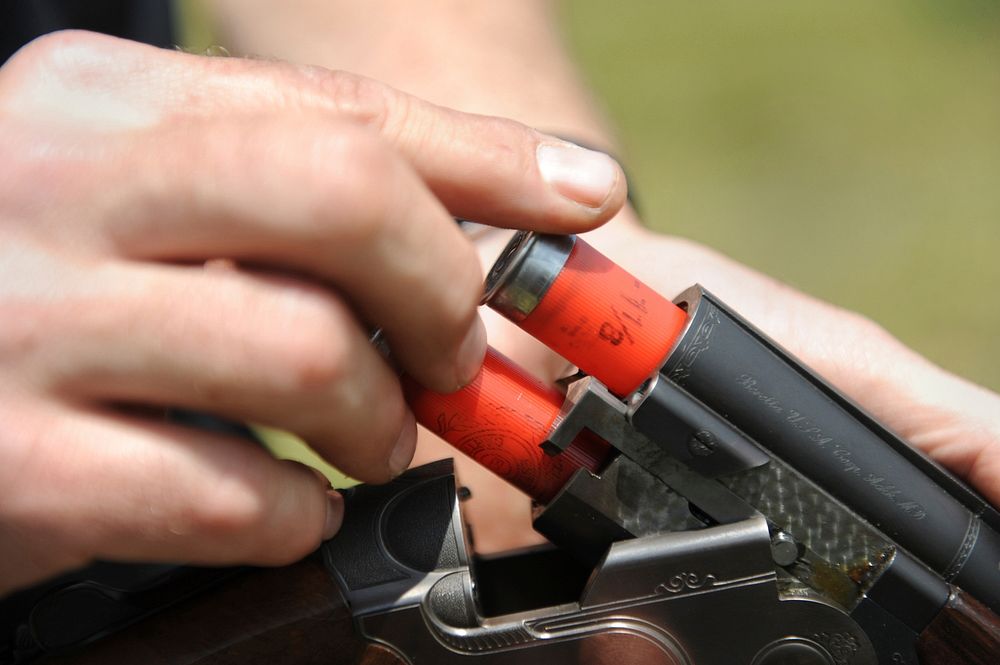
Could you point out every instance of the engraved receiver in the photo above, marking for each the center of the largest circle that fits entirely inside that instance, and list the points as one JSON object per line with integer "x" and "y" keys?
{"x": 723, "y": 502}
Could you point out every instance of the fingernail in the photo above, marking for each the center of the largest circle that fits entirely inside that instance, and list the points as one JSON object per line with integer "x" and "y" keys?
{"x": 405, "y": 446}
{"x": 334, "y": 514}
{"x": 471, "y": 353}
{"x": 581, "y": 175}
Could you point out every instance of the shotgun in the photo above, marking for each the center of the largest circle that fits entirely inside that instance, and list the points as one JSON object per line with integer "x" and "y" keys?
{"x": 709, "y": 500}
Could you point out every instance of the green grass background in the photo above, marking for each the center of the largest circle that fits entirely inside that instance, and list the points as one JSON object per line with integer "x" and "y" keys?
{"x": 850, "y": 148}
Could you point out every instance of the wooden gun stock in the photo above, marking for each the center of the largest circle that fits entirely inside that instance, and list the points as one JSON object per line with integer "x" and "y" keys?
{"x": 293, "y": 615}
{"x": 965, "y": 632}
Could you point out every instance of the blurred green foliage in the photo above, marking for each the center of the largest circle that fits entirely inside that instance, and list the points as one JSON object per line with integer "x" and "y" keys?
{"x": 849, "y": 148}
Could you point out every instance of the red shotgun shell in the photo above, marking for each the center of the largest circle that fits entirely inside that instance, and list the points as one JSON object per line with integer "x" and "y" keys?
{"x": 500, "y": 420}
{"x": 586, "y": 308}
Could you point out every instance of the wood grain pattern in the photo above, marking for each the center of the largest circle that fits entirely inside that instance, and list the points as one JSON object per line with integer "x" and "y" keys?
{"x": 293, "y": 615}
{"x": 965, "y": 632}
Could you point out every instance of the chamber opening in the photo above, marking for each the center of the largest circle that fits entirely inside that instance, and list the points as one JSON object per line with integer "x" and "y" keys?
{"x": 528, "y": 579}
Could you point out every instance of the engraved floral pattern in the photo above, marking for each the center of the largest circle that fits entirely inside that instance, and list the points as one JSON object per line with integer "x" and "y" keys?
{"x": 842, "y": 646}
{"x": 686, "y": 582}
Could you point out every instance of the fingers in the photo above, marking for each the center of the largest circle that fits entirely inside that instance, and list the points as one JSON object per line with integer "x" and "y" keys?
{"x": 500, "y": 172}
{"x": 275, "y": 351}
{"x": 148, "y": 157}
{"x": 327, "y": 199}
{"x": 154, "y": 491}
{"x": 483, "y": 168}
{"x": 350, "y": 192}
{"x": 488, "y": 169}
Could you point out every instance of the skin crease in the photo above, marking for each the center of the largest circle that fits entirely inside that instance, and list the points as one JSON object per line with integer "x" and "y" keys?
{"x": 104, "y": 299}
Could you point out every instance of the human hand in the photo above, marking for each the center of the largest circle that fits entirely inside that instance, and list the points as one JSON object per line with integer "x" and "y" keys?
{"x": 218, "y": 234}
{"x": 956, "y": 422}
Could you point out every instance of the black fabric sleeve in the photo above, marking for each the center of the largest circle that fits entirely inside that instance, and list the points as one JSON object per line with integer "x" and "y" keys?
{"x": 148, "y": 21}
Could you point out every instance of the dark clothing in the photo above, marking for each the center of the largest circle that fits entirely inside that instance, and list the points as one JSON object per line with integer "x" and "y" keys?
{"x": 148, "y": 21}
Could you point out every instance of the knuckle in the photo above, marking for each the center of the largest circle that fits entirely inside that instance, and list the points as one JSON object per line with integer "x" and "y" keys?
{"x": 68, "y": 50}
{"x": 510, "y": 143}
{"x": 292, "y": 339}
{"x": 315, "y": 364}
{"x": 355, "y": 97}
{"x": 45, "y": 48}
{"x": 230, "y": 508}
{"x": 313, "y": 354}
{"x": 65, "y": 72}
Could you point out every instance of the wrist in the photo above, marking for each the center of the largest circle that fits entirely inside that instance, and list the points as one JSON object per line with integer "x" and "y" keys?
{"x": 503, "y": 59}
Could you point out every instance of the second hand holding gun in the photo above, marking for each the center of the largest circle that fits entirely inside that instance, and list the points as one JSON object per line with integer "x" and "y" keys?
{"x": 728, "y": 504}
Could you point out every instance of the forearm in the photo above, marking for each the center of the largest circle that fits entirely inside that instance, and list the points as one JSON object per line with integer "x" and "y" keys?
{"x": 497, "y": 58}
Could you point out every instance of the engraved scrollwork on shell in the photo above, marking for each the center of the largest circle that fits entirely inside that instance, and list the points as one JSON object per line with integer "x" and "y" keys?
{"x": 685, "y": 582}
{"x": 841, "y": 646}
